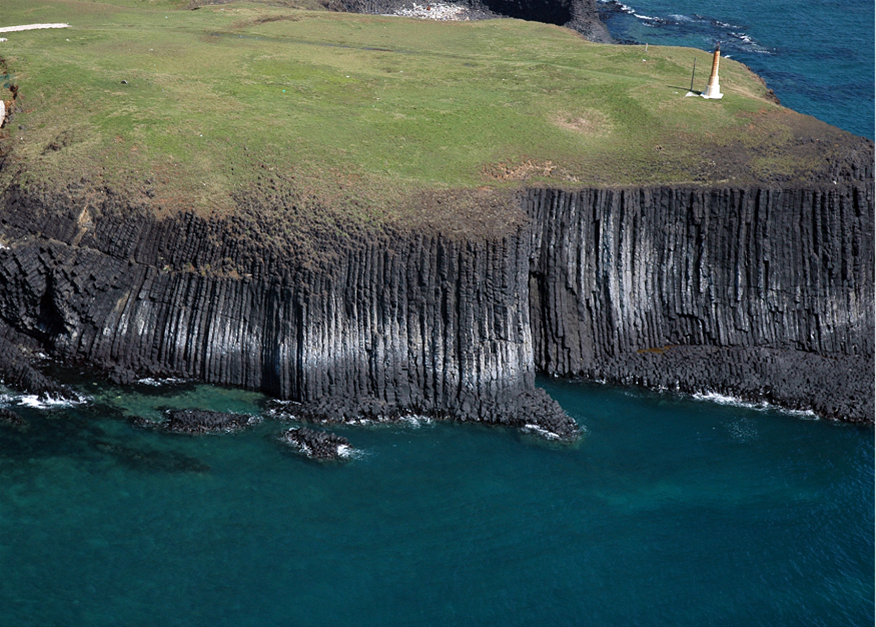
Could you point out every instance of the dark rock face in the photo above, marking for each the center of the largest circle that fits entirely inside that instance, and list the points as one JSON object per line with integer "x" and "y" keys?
{"x": 579, "y": 15}
{"x": 416, "y": 321}
{"x": 200, "y": 422}
{"x": 762, "y": 293}
{"x": 17, "y": 369}
{"x": 315, "y": 444}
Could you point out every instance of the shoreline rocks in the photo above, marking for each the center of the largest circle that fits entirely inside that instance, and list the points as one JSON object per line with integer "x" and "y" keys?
{"x": 533, "y": 411}
{"x": 578, "y": 15}
{"x": 199, "y": 422}
{"x": 9, "y": 418}
{"x": 317, "y": 444}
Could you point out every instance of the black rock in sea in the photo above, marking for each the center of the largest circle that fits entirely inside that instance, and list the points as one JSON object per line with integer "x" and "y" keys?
{"x": 200, "y": 422}
{"x": 9, "y": 418}
{"x": 317, "y": 444}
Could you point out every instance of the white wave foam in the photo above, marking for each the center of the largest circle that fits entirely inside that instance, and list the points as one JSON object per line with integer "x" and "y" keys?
{"x": 35, "y": 402}
{"x": 416, "y": 420}
{"x": 631, "y": 11}
{"x": 803, "y": 414}
{"x": 722, "y": 399}
{"x": 411, "y": 420}
{"x": 750, "y": 43}
{"x": 302, "y": 448}
{"x": 550, "y": 435}
{"x": 158, "y": 382}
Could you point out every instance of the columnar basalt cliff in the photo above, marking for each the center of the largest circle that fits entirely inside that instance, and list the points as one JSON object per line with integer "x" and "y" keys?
{"x": 364, "y": 325}
{"x": 765, "y": 293}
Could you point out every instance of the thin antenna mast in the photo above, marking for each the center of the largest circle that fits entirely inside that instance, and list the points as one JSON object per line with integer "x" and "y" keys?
{"x": 692, "y": 74}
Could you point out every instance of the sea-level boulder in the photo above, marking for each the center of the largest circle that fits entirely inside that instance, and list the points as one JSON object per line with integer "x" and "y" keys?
{"x": 200, "y": 422}
{"x": 532, "y": 410}
{"x": 317, "y": 444}
{"x": 9, "y": 418}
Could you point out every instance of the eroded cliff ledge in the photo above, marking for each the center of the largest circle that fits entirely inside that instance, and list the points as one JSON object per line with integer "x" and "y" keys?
{"x": 764, "y": 293}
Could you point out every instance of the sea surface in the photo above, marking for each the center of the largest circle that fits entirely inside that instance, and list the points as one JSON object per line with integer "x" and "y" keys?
{"x": 672, "y": 510}
{"x": 817, "y": 55}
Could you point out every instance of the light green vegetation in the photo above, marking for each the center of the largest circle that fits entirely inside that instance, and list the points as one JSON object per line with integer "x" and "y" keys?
{"x": 217, "y": 97}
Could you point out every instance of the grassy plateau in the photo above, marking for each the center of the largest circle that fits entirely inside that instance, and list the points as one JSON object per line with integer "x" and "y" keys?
{"x": 192, "y": 108}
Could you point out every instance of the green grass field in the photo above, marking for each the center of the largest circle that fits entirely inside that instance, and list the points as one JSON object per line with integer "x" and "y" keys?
{"x": 195, "y": 106}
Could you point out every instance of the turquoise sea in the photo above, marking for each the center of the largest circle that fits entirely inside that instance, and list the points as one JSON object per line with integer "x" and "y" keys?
{"x": 671, "y": 511}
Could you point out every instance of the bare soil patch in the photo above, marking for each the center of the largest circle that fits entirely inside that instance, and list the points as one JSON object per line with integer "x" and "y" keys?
{"x": 589, "y": 123}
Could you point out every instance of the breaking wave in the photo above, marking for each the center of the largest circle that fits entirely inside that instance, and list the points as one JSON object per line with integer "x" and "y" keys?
{"x": 722, "y": 399}
{"x": 34, "y": 401}
{"x": 698, "y": 30}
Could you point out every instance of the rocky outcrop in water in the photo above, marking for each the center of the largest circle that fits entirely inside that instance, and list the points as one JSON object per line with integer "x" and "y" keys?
{"x": 199, "y": 422}
{"x": 319, "y": 445}
{"x": 9, "y": 418}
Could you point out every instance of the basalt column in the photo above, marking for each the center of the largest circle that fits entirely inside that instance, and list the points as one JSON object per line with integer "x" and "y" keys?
{"x": 764, "y": 294}
{"x": 370, "y": 322}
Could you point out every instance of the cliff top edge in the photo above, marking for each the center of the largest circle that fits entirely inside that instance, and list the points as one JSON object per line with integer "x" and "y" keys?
{"x": 192, "y": 109}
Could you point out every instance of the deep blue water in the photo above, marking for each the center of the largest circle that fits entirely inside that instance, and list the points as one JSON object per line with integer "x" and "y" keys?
{"x": 817, "y": 55}
{"x": 671, "y": 511}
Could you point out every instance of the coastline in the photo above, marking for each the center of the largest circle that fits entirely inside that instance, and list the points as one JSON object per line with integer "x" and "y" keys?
{"x": 450, "y": 306}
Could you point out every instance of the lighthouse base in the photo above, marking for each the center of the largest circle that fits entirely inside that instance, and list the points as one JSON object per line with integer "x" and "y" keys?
{"x": 713, "y": 92}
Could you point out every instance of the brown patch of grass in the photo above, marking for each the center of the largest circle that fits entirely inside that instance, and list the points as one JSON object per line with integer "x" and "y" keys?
{"x": 485, "y": 212}
{"x": 588, "y": 123}
{"x": 526, "y": 171}
{"x": 657, "y": 350}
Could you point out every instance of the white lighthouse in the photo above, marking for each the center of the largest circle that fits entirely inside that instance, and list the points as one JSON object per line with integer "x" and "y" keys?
{"x": 713, "y": 90}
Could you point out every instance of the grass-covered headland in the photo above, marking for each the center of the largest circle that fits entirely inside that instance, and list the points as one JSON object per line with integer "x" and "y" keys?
{"x": 192, "y": 108}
